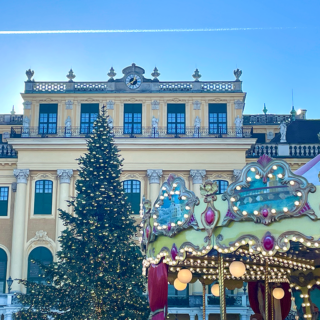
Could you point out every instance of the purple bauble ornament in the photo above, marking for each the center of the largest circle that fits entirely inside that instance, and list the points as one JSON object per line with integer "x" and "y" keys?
{"x": 265, "y": 212}
{"x": 268, "y": 242}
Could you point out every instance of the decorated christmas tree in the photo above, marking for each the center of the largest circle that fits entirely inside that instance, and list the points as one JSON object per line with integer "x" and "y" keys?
{"x": 98, "y": 273}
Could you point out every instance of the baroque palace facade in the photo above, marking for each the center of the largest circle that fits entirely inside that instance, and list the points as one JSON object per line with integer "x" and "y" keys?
{"x": 195, "y": 129}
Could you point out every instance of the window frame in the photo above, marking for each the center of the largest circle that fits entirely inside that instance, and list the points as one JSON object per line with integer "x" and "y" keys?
{"x": 45, "y": 249}
{"x": 4, "y": 253}
{"x": 220, "y": 110}
{"x": 128, "y": 195}
{"x": 87, "y": 108}
{"x": 44, "y": 186}
{"x": 132, "y": 118}
{"x": 3, "y": 201}
{"x": 176, "y": 127}
{"x": 219, "y": 185}
{"x": 177, "y": 291}
{"x": 44, "y": 126}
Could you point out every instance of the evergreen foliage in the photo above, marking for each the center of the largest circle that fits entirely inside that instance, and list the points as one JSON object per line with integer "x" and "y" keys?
{"x": 99, "y": 270}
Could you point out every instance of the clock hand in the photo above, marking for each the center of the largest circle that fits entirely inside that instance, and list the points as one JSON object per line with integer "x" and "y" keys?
{"x": 131, "y": 82}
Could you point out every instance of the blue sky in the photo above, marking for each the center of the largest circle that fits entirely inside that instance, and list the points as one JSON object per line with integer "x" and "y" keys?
{"x": 273, "y": 61}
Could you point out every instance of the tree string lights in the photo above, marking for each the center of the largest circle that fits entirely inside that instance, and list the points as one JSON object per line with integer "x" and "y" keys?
{"x": 98, "y": 273}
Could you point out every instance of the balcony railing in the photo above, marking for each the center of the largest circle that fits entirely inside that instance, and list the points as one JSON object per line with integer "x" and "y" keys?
{"x": 151, "y": 86}
{"x": 295, "y": 150}
{"x": 260, "y": 149}
{"x": 6, "y": 151}
{"x": 140, "y": 132}
{"x": 11, "y": 119}
{"x": 265, "y": 119}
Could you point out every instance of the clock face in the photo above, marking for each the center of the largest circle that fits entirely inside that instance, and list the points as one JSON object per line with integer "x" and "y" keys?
{"x": 133, "y": 81}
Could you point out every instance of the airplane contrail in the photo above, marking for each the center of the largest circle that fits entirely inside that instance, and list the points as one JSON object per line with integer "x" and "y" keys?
{"x": 143, "y": 30}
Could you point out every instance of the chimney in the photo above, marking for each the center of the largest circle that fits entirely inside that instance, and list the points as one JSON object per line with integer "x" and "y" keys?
{"x": 301, "y": 114}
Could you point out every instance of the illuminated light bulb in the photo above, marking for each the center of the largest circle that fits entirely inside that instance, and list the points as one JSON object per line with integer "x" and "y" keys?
{"x": 255, "y": 212}
{"x": 183, "y": 197}
{"x": 301, "y": 239}
{"x": 235, "y": 208}
{"x": 177, "y": 192}
{"x": 173, "y": 224}
{"x": 280, "y": 175}
{"x": 278, "y": 293}
{"x": 186, "y": 216}
{"x": 238, "y": 187}
{"x": 299, "y": 194}
{"x": 285, "y": 209}
{"x": 232, "y": 199}
{"x": 308, "y": 243}
{"x": 244, "y": 213}
{"x": 257, "y": 176}
{"x": 237, "y": 269}
{"x": 249, "y": 179}
{"x": 161, "y": 197}
{"x": 157, "y": 205}
{"x": 163, "y": 188}
{"x": 174, "y": 185}
{"x": 270, "y": 175}
{"x": 292, "y": 182}
{"x": 274, "y": 167}
{"x": 179, "y": 223}
{"x": 171, "y": 192}
{"x": 316, "y": 244}
{"x": 165, "y": 194}
{"x": 253, "y": 169}
{"x": 179, "y": 285}
{"x": 154, "y": 216}
{"x": 294, "y": 239}
{"x": 185, "y": 276}
{"x": 270, "y": 252}
{"x": 215, "y": 290}
{"x": 296, "y": 203}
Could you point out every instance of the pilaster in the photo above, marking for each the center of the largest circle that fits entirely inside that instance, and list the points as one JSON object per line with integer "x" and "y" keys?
{"x": 18, "y": 231}
{"x": 154, "y": 176}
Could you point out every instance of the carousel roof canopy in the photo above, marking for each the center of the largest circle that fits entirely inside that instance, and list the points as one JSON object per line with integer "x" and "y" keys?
{"x": 311, "y": 171}
{"x": 268, "y": 215}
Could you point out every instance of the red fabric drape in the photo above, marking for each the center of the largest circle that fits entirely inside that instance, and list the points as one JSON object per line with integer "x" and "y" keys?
{"x": 158, "y": 289}
{"x": 253, "y": 296}
{"x": 254, "y": 302}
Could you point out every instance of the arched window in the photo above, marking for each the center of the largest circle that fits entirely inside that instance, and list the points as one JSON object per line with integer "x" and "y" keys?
{"x": 223, "y": 185}
{"x": 132, "y": 188}
{"x": 3, "y": 270}
{"x": 42, "y": 255}
{"x": 43, "y": 197}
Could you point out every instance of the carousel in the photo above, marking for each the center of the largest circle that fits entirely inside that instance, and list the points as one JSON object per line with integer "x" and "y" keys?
{"x": 264, "y": 230}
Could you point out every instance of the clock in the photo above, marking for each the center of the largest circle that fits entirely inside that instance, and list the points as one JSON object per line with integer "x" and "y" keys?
{"x": 133, "y": 81}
